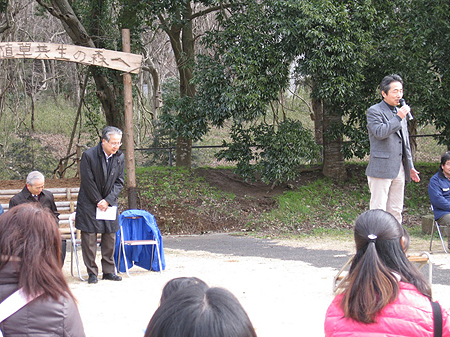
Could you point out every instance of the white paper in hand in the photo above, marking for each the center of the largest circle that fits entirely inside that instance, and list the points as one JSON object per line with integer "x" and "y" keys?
{"x": 109, "y": 214}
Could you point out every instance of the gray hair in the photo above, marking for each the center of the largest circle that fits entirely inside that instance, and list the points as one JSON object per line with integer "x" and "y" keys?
{"x": 110, "y": 130}
{"x": 33, "y": 176}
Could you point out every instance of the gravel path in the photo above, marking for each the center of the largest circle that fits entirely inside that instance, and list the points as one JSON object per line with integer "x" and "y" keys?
{"x": 285, "y": 286}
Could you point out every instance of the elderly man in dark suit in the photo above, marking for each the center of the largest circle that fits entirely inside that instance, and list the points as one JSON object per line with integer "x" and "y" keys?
{"x": 102, "y": 179}
{"x": 390, "y": 163}
{"x": 34, "y": 192}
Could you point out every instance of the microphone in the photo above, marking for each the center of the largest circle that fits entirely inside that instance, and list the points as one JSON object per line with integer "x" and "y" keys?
{"x": 402, "y": 103}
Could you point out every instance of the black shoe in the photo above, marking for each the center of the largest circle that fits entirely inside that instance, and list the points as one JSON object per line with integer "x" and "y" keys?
{"x": 112, "y": 277}
{"x": 92, "y": 279}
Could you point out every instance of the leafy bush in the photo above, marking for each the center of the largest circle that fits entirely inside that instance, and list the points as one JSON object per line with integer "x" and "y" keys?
{"x": 273, "y": 153}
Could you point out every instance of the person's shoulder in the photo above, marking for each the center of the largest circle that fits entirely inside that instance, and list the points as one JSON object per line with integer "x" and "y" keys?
{"x": 376, "y": 105}
{"x": 375, "y": 109}
{"x": 437, "y": 177}
{"x": 119, "y": 154}
{"x": 47, "y": 193}
{"x": 409, "y": 290}
{"x": 15, "y": 197}
{"x": 92, "y": 149}
{"x": 18, "y": 196}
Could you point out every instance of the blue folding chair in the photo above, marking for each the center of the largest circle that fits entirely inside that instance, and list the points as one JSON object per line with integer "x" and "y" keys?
{"x": 139, "y": 241}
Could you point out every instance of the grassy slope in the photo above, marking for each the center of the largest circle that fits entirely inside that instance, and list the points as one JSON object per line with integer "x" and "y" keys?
{"x": 320, "y": 207}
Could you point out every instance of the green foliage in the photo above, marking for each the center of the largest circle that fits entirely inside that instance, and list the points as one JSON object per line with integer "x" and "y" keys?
{"x": 255, "y": 50}
{"x": 278, "y": 153}
{"x": 247, "y": 68}
{"x": 3, "y": 6}
{"x": 426, "y": 33}
{"x": 181, "y": 116}
{"x": 417, "y": 201}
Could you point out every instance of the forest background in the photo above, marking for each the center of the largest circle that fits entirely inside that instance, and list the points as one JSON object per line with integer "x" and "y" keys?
{"x": 281, "y": 86}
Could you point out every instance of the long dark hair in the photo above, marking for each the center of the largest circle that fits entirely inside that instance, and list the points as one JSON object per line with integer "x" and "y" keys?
{"x": 30, "y": 239}
{"x": 371, "y": 283}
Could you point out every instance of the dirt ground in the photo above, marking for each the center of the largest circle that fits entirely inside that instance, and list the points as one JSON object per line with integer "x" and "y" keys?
{"x": 283, "y": 297}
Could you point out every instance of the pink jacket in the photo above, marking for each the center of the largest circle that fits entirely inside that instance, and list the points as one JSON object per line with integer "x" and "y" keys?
{"x": 409, "y": 315}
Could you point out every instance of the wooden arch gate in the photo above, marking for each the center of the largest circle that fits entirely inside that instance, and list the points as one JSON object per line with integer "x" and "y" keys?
{"x": 122, "y": 61}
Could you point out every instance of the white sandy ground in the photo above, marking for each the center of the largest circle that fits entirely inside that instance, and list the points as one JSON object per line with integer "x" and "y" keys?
{"x": 282, "y": 298}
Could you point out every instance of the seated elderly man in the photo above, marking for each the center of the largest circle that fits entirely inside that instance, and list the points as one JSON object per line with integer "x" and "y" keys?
{"x": 34, "y": 192}
{"x": 439, "y": 192}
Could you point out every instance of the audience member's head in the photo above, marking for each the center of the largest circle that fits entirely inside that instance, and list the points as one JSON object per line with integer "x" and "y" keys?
{"x": 30, "y": 239}
{"x": 179, "y": 283}
{"x": 35, "y": 182}
{"x": 380, "y": 262}
{"x": 199, "y": 311}
{"x": 444, "y": 159}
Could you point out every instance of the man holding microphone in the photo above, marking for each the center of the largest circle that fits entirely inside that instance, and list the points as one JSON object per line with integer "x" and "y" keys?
{"x": 390, "y": 163}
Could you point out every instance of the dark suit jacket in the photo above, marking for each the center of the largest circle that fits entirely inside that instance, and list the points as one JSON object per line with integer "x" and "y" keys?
{"x": 388, "y": 149}
{"x": 46, "y": 199}
{"x": 96, "y": 184}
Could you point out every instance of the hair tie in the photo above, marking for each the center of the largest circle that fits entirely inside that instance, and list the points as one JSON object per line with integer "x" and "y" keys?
{"x": 372, "y": 238}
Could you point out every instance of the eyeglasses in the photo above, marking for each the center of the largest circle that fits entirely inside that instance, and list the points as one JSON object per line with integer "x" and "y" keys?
{"x": 115, "y": 144}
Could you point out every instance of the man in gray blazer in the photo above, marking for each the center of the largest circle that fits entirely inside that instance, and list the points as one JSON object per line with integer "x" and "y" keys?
{"x": 390, "y": 163}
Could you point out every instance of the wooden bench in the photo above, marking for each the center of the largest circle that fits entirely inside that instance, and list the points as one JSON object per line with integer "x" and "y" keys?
{"x": 421, "y": 260}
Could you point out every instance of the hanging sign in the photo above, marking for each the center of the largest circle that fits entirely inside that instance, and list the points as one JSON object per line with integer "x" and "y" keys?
{"x": 127, "y": 62}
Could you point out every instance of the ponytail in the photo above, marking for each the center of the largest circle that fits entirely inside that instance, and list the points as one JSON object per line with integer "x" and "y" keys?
{"x": 377, "y": 267}
{"x": 370, "y": 286}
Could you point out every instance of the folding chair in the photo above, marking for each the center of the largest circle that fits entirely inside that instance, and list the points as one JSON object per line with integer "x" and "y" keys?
{"x": 438, "y": 228}
{"x": 76, "y": 242}
{"x": 140, "y": 242}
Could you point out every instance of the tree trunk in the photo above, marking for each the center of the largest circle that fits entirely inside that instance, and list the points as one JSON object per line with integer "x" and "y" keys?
{"x": 333, "y": 159}
{"x": 412, "y": 129}
{"x": 112, "y": 107}
{"x": 182, "y": 41}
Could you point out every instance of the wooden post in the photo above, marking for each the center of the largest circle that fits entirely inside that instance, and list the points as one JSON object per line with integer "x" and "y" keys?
{"x": 129, "y": 132}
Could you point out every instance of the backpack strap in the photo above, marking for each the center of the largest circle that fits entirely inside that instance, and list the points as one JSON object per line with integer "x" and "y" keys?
{"x": 437, "y": 318}
{"x": 12, "y": 304}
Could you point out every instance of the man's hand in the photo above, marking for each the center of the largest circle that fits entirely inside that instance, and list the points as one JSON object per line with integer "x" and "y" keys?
{"x": 415, "y": 175}
{"x": 103, "y": 205}
{"x": 403, "y": 111}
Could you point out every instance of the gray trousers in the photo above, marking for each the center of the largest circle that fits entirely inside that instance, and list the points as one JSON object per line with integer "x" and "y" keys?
{"x": 445, "y": 221}
{"x": 89, "y": 249}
